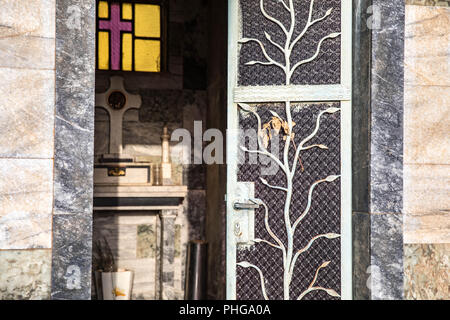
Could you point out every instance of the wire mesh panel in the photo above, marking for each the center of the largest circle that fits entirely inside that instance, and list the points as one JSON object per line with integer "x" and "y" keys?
{"x": 323, "y": 217}
{"x": 325, "y": 69}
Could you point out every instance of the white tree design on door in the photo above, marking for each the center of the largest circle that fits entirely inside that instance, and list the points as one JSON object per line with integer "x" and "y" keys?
{"x": 289, "y": 169}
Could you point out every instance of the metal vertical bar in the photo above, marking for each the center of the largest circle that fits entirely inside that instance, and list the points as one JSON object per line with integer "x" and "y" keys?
{"x": 346, "y": 153}
{"x": 232, "y": 117}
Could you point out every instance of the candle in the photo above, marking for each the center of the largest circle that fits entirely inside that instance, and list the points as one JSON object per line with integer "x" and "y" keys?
{"x": 165, "y": 146}
{"x": 166, "y": 167}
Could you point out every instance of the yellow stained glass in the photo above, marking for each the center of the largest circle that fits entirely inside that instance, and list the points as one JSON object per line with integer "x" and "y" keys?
{"x": 126, "y": 52}
{"x": 147, "y": 20}
{"x": 127, "y": 11}
{"x": 140, "y": 50}
{"x": 103, "y": 9}
{"x": 147, "y": 55}
{"x": 103, "y": 50}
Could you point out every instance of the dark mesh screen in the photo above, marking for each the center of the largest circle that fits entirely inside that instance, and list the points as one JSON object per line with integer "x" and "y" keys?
{"x": 324, "y": 216}
{"x": 325, "y": 69}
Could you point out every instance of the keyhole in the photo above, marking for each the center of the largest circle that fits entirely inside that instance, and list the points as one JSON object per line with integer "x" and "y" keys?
{"x": 237, "y": 229}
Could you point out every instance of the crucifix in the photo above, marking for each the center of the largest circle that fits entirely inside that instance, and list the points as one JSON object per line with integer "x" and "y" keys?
{"x": 115, "y": 26}
{"x": 116, "y": 101}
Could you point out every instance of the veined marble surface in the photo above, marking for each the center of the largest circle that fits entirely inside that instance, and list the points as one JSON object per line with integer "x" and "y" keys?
{"x": 386, "y": 273}
{"x": 386, "y": 131}
{"x": 27, "y": 31}
{"x": 25, "y": 274}
{"x": 427, "y": 204}
{"x": 386, "y": 152}
{"x": 427, "y": 119}
{"x": 135, "y": 240}
{"x": 427, "y": 271}
{"x": 440, "y": 3}
{"x": 27, "y": 107}
{"x": 427, "y": 152}
{"x": 26, "y": 198}
{"x": 32, "y": 18}
{"x": 27, "y": 113}
{"x": 74, "y": 149}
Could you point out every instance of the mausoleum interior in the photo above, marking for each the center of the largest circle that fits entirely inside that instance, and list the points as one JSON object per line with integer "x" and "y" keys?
{"x": 150, "y": 196}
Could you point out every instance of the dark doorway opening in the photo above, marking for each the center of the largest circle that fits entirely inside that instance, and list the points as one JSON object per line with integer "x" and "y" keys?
{"x": 190, "y": 87}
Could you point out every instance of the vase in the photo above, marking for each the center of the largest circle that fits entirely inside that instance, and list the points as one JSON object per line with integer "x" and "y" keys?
{"x": 117, "y": 285}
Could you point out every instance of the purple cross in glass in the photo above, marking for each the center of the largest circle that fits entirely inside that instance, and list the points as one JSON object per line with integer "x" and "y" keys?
{"x": 114, "y": 25}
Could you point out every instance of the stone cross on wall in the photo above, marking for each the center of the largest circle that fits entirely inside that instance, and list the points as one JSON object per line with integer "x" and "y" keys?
{"x": 116, "y": 101}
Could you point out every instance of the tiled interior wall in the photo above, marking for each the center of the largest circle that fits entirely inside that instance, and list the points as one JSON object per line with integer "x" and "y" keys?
{"x": 427, "y": 152}
{"x": 27, "y": 70}
{"x": 134, "y": 238}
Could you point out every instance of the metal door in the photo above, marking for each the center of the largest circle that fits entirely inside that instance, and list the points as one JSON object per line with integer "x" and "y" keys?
{"x": 289, "y": 189}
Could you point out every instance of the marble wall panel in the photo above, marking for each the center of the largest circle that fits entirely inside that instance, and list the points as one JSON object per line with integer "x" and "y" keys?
{"x": 427, "y": 119}
{"x": 427, "y": 271}
{"x": 32, "y": 18}
{"x": 440, "y": 3}
{"x": 386, "y": 152}
{"x": 27, "y": 69}
{"x": 427, "y": 179}
{"x": 146, "y": 241}
{"x": 427, "y": 151}
{"x": 27, "y": 52}
{"x": 428, "y": 189}
{"x": 427, "y": 228}
{"x": 427, "y": 204}
{"x": 27, "y": 109}
{"x": 71, "y": 257}
{"x": 26, "y": 198}
{"x": 427, "y": 33}
{"x": 386, "y": 270}
{"x": 133, "y": 238}
{"x": 28, "y": 34}
{"x": 25, "y": 274}
{"x": 74, "y": 149}
{"x": 144, "y": 282}
{"x": 387, "y": 109}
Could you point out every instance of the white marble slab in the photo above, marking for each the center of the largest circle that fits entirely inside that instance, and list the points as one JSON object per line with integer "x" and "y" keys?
{"x": 27, "y": 109}
{"x": 25, "y": 274}
{"x": 26, "y": 199}
{"x": 426, "y": 125}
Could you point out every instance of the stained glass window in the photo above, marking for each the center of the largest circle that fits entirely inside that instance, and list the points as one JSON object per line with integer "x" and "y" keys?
{"x": 130, "y": 35}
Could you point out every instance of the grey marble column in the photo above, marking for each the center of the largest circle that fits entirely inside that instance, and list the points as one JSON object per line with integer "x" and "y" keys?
{"x": 378, "y": 37}
{"x": 386, "y": 150}
{"x": 167, "y": 250}
{"x": 74, "y": 149}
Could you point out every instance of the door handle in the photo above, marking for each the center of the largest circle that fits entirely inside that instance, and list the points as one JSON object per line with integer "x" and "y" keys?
{"x": 246, "y": 205}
